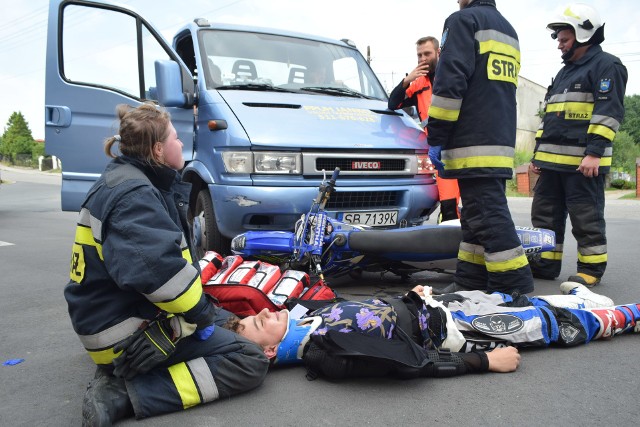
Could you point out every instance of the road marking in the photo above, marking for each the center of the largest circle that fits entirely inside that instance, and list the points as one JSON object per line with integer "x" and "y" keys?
{"x": 5, "y": 243}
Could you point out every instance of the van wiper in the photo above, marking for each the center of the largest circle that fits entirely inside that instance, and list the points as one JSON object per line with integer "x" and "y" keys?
{"x": 254, "y": 86}
{"x": 337, "y": 91}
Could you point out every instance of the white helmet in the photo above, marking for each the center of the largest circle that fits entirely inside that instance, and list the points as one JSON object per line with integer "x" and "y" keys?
{"x": 584, "y": 20}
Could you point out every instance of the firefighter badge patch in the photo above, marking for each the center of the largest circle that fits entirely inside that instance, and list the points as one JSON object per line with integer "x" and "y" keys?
{"x": 443, "y": 39}
{"x": 605, "y": 86}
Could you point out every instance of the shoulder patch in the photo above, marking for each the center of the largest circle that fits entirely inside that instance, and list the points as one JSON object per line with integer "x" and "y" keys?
{"x": 443, "y": 39}
{"x": 605, "y": 86}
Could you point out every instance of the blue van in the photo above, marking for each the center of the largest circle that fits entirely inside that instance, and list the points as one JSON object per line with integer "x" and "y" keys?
{"x": 262, "y": 114}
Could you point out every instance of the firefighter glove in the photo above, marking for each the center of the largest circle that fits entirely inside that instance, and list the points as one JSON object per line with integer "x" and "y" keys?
{"x": 434, "y": 156}
{"x": 149, "y": 346}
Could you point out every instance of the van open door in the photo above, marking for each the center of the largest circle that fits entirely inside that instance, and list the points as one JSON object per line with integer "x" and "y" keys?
{"x": 99, "y": 56}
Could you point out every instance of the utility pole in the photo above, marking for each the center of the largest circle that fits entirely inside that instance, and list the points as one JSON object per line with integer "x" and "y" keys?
{"x": 369, "y": 55}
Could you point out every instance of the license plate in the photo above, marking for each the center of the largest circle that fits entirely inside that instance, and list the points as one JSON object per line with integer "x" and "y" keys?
{"x": 374, "y": 219}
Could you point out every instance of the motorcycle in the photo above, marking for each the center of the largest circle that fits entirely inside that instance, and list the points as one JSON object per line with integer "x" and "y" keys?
{"x": 330, "y": 247}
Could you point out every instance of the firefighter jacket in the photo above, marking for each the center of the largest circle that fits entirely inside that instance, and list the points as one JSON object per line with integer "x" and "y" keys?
{"x": 583, "y": 109}
{"x": 131, "y": 259}
{"x": 418, "y": 94}
{"x": 473, "y": 108}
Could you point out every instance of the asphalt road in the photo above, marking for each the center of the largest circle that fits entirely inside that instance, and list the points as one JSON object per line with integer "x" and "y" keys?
{"x": 592, "y": 385}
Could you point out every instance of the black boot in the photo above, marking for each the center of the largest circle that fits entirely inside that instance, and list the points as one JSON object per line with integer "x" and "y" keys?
{"x": 105, "y": 402}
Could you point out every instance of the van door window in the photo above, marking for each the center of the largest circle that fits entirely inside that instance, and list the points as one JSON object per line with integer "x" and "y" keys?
{"x": 112, "y": 59}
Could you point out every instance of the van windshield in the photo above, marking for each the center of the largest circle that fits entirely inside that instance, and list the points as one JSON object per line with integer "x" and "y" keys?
{"x": 235, "y": 59}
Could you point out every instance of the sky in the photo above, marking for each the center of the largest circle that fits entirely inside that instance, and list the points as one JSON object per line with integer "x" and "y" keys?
{"x": 388, "y": 27}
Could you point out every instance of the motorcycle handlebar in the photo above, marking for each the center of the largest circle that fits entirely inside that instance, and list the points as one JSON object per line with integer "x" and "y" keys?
{"x": 334, "y": 176}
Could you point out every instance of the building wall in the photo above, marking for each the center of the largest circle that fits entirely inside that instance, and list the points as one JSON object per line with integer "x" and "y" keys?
{"x": 529, "y": 97}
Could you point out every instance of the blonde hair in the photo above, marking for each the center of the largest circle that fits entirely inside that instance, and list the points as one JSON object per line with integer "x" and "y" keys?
{"x": 140, "y": 128}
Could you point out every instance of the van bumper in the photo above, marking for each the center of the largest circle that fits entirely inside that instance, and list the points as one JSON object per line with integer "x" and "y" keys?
{"x": 242, "y": 208}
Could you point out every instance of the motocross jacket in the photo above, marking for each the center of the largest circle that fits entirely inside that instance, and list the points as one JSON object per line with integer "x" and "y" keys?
{"x": 584, "y": 107}
{"x": 473, "y": 108}
{"x": 131, "y": 259}
{"x": 417, "y": 94}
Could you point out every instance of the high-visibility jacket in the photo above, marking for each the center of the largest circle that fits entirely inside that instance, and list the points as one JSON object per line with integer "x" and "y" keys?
{"x": 473, "y": 108}
{"x": 583, "y": 109}
{"x": 131, "y": 257}
{"x": 418, "y": 94}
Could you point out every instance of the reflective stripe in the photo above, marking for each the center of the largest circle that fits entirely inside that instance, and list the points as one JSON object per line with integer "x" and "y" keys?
{"x": 569, "y": 150}
{"x": 593, "y": 250}
{"x": 567, "y": 160}
{"x": 84, "y": 236}
{"x": 539, "y": 133}
{"x": 88, "y": 231}
{"x": 186, "y": 254}
{"x": 495, "y": 41}
{"x": 111, "y": 335}
{"x": 185, "y": 385}
{"x": 571, "y": 97}
{"x": 607, "y": 121}
{"x": 551, "y": 255}
{"x": 495, "y": 156}
{"x": 470, "y": 253}
{"x": 186, "y": 301}
{"x": 103, "y": 357}
{"x": 592, "y": 259}
{"x": 511, "y": 259}
{"x": 602, "y": 131}
{"x": 555, "y": 254}
{"x": 423, "y": 124}
{"x": 91, "y": 221}
{"x": 204, "y": 379}
{"x": 503, "y": 266}
{"x": 478, "y": 151}
{"x": 174, "y": 286}
{"x": 479, "y": 162}
{"x": 571, "y": 107}
{"x": 445, "y": 108}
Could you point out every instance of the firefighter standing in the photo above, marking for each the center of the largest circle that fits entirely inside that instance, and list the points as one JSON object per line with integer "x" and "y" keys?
{"x": 472, "y": 120}
{"x": 415, "y": 90}
{"x": 583, "y": 110}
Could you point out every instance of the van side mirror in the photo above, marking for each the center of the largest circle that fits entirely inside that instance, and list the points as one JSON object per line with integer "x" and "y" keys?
{"x": 169, "y": 83}
{"x": 412, "y": 111}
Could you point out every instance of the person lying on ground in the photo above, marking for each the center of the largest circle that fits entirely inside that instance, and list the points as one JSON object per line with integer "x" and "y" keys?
{"x": 421, "y": 335}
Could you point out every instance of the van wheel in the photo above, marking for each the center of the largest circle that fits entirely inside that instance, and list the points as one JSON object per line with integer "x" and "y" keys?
{"x": 205, "y": 231}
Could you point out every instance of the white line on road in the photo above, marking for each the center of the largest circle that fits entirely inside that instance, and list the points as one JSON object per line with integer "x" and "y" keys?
{"x": 5, "y": 243}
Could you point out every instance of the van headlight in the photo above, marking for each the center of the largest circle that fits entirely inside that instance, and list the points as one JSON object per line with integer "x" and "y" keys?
{"x": 275, "y": 162}
{"x": 238, "y": 161}
{"x": 264, "y": 162}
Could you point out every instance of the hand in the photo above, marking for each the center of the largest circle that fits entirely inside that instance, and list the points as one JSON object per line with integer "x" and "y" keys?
{"x": 434, "y": 156}
{"x": 534, "y": 169}
{"x": 149, "y": 346}
{"x": 422, "y": 290}
{"x": 421, "y": 70}
{"x": 504, "y": 359}
{"x": 589, "y": 166}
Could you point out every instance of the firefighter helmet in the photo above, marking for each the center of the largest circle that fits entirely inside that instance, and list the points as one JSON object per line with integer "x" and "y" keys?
{"x": 584, "y": 20}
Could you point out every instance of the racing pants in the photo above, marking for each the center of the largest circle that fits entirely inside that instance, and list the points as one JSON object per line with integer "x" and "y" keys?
{"x": 198, "y": 372}
{"x": 487, "y": 321}
{"x": 559, "y": 193}
{"x": 490, "y": 256}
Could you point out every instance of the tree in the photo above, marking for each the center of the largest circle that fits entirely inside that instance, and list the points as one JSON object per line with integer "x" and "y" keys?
{"x": 631, "y": 122}
{"x": 17, "y": 137}
{"x": 625, "y": 152}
